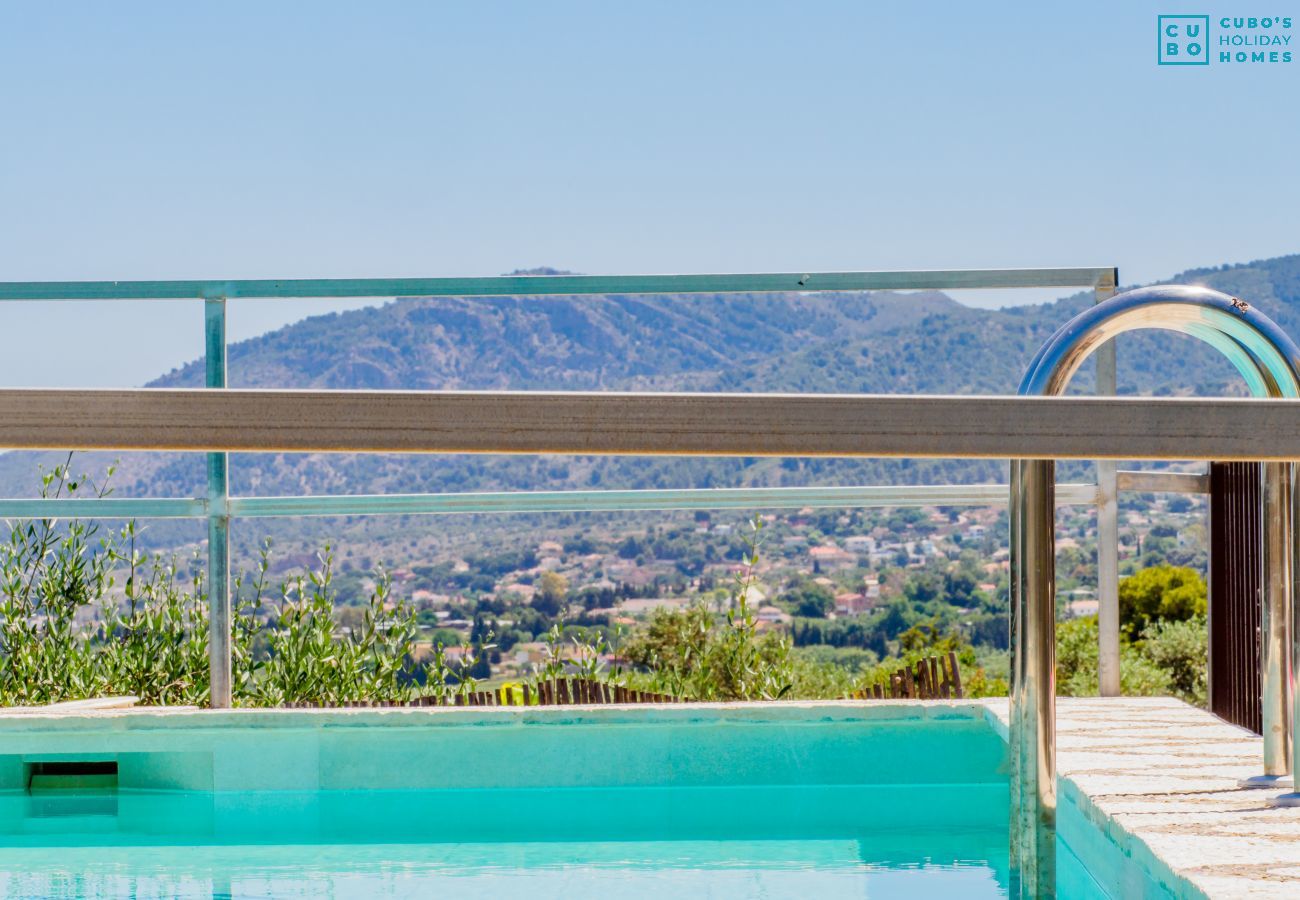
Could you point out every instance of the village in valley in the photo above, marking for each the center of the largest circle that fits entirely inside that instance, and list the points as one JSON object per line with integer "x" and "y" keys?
{"x": 843, "y": 584}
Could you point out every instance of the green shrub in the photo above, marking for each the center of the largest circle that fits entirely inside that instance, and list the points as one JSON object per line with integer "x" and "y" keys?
{"x": 1180, "y": 649}
{"x": 49, "y": 575}
{"x": 154, "y": 644}
{"x": 67, "y": 632}
{"x": 311, "y": 659}
{"x": 693, "y": 653}
{"x": 1076, "y": 665}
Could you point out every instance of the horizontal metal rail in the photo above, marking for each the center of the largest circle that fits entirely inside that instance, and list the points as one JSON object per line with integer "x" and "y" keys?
{"x": 852, "y": 497}
{"x": 104, "y": 508}
{"x": 1164, "y": 482}
{"x": 540, "y": 285}
{"x": 626, "y": 501}
{"x": 609, "y": 500}
{"x": 826, "y": 425}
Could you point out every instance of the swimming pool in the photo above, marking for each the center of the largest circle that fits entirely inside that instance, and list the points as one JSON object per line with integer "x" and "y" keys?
{"x": 789, "y": 800}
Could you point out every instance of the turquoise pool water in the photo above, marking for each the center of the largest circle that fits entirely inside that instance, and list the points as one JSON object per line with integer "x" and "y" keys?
{"x": 573, "y": 844}
{"x": 694, "y": 803}
{"x": 831, "y": 841}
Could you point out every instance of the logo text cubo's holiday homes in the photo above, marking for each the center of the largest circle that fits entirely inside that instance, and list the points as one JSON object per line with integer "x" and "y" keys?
{"x": 1199, "y": 40}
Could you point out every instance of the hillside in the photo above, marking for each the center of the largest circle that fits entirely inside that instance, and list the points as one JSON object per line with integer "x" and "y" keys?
{"x": 871, "y": 343}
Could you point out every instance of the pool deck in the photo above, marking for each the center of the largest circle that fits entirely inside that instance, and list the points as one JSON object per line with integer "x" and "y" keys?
{"x": 1167, "y": 774}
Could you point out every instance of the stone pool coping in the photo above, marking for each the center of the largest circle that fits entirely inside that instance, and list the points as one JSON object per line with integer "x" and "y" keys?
{"x": 110, "y": 717}
{"x": 1158, "y": 777}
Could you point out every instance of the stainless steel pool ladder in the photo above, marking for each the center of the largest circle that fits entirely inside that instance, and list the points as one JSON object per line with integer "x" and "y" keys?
{"x": 1269, "y": 361}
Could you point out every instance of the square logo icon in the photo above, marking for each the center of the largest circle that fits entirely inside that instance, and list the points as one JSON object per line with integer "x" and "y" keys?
{"x": 1184, "y": 40}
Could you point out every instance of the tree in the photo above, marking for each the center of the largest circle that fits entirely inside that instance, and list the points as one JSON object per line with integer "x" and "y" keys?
{"x": 896, "y": 618}
{"x": 482, "y": 630}
{"x": 812, "y": 601}
{"x": 924, "y": 587}
{"x": 960, "y": 586}
{"x": 552, "y": 588}
{"x": 481, "y": 670}
{"x": 1170, "y": 593}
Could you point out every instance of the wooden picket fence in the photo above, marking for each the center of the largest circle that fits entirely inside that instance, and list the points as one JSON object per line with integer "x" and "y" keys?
{"x": 557, "y": 692}
{"x": 932, "y": 678}
{"x": 568, "y": 691}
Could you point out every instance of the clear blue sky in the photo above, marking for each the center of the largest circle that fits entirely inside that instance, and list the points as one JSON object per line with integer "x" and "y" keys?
{"x": 177, "y": 140}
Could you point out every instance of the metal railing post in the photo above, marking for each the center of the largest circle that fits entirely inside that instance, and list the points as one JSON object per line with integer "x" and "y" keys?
{"x": 1033, "y": 678}
{"x": 218, "y": 516}
{"x": 1107, "y": 528}
{"x": 1275, "y": 618}
{"x": 1279, "y": 634}
{"x": 1293, "y": 672}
